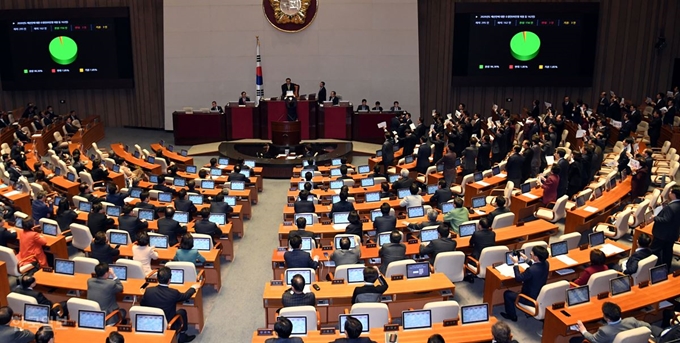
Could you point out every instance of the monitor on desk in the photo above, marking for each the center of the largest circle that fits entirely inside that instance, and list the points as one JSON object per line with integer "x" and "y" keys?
{"x": 153, "y": 179}
{"x": 337, "y": 184}
{"x": 179, "y": 182}
{"x": 118, "y": 238}
{"x": 57, "y": 171}
{"x": 64, "y": 266}
{"x": 383, "y": 238}
{"x": 619, "y": 285}
{"x": 372, "y": 196}
{"x": 362, "y": 318}
{"x": 578, "y": 295}
{"x": 171, "y": 147}
{"x": 355, "y": 275}
{"x": 418, "y": 319}
{"x": 249, "y": 163}
{"x": 84, "y": 206}
{"x": 299, "y": 325}
{"x": 559, "y": 248}
{"x": 135, "y": 193}
{"x": 392, "y": 178}
{"x": 91, "y": 319}
{"x": 598, "y": 192}
{"x": 440, "y": 167}
{"x": 207, "y": 184}
{"x": 395, "y": 148}
{"x": 165, "y": 197}
{"x": 474, "y": 313}
{"x": 19, "y": 223}
{"x": 306, "y": 244}
{"x": 49, "y": 229}
{"x": 596, "y": 238}
{"x": 58, "y": 200}
{"x": 525, "y": 187}
{"x": 409, "y": 159}
{"x": 37, "y": 313}
{"x": 364, "y": 169}
{"x": 237, "y": 185}
{"x": 215, "y": 172}
{"x": 478, "y": 202}
{"x": 417, "y": 270}
{"x": 367, "y": 182}
{"x": 658, "y": 274}
{"x": 177, "y": 276}
{"x": 612, "y": 183}
{"x": 184, "y": 153}
{"x": 309, "y": 217}
{"x": 335, "y": 172}
{"x": 191, "y": 169}
{"x": 428, "y": 235}
{"x": 478, "y": 176}
{"x": 415, "y": 211}
{"x": 431, "y": 189}
{"x": 467, "y": 229}
{"x": 126, "y": 148}
{"x": 181, "y": 217}
{"x": 160, "y": 242}
{"x": 113, "y": 211}
{"x": 149, "y": 323}
{"x": 403, "y": 192}
{"x": 202, "y": 244}
{"x": 447, "y": 207}
{"x": 135, "y": 154}
{"x": 336, "y": 162}
{"x": 218, "y": 218}
{"x": 375, "y": 214}
{"x": 245, "y": 172}
{"x": 71, "y": 177}
{"x": 336, "y": 199}
{"x": 119, "y": 270}
{"x": 116, "y": 169}
{"x": 230, "y": 200}
{"x": 378, "y": 153}
{"x": 145, "y": 213}
{"x": 306, "y": 274}
{"x": 341, "y": 218}
{"x": 580, "y": 200}
{"x": 223, "y": 161}
{"x": 458, "y": 162}
{"x": 496, "y": 170}
{"x": 196, "y": 199}
{"x": 151, "y": 159}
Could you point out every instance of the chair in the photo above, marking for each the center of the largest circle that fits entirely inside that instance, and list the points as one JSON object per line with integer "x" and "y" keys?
{"x": 5, "y": 149}
{"x": 16, "y": 302}
{"x": 161, "y": 162}
{"x": 13, "y": 269}
{"x": 620, "y": 225}
{"x": 310, "y": 312}
{"x": 85, "y": 265}
{"x": 82, "y": 237}
{"x": 526, "y": 247}
{"x": 505, "y": 192}
{"x": 550, "y": 293}
{"x": 442, "y": 310}
{"x": 341, "y": 271}
{"x": 637, "y": 335}
{"x": 109, "y": 163}
{"x": 378, "y": 313}
{"x": 422, "y": 178}
{"x": 36, "y": 189}
{"x": 653, "y": 198}
{"x": 503, "y": 220}
{"x": 348, "y": 182}
{"x": 140, "y": 151}
{"x": 26, "y": 187}
{"x": 136, "y": 310}
{"x": 459, "y": 190}
{"x": 61, "y": 142}
{"x": 599, "y": 282}
{"x": 572, "y": 239}
{"x": 644, "y": 266}
{"x": 75, "y": 305}
{"x": 488, "y": 257}
{"x": 638, "y": 217}
{"x": 102, "y": 154}
{"x": 397, "y": 268}
{"x": 43, "y": 221}
{"x": 452, "y": 264}
{"x": 77, "y": 199}
{"x": 190, "y": 273}
{"x": 135, "y": 270}
{"x": 556, "y": 213}
{"x": 109, "y": 231}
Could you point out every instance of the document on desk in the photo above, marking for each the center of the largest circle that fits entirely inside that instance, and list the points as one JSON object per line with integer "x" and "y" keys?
{"x": 530, "y": 196}
{"x": 610, "y": 249}
{"x": 502, "y": 175}
{"x": 567, "y": 260}
{"x": 11, "y": 193}
{"x": 505, "y": 270}
{"x": 481, "y": 213}
{"x": 590, "y": 209}
{"x": 482, "y": 183}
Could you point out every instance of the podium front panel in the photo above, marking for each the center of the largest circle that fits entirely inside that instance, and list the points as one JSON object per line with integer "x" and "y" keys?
{"x": 306, "y": 110}
{"x": 241, "y": 123}
{"x": 334, "y": 123}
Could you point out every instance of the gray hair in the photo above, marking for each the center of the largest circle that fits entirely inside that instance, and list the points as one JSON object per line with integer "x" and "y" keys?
{"x": 432, "y": 215}
{"x": 404, "y": 172}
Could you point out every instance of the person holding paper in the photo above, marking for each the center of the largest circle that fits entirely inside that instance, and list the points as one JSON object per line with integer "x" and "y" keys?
{"x": 640, "y": 174}
{"x": 603, "y": 103}
{"x": 665, "y": 229}
{"x": 550, "y": 185}
{"x": 449, "y": 161}
{"x": 514, "y": 166}
{"x": 532, "y": 279}
{"x": 289, "y": 87}
{"x": 669, "y": 117}
{"x": 408, "y": 142}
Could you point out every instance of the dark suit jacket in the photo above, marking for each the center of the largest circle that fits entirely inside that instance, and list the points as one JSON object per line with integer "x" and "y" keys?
{"x": 402, "y": 183}
{"x": 103, "y": 252}
{"x": 470, "y": 159}
{"x": 334, "y": 100}
{"x": 483, "y": 157}
{"x": 387, "y": 153}
{"x": 423, "y": 160}
{"x": 165, "y": 298}
{"x": 6, "y": 235}
{"x": 243, "y": 102}
{"x": 284, "y": 340}
{"x": 301, "y": 233}
{"x": 481, "y": 239}
{"x": 384, "y": 224}
{"x": 237, "y": 177}
{"x": 11, "y": 334}
{"x": 299, "y": 259}
{"x": 171, "y": 228}
{"x": 132, "y": 225}
{"x": 285, "y": 88}
{"x": 564, "y": 176}
{"x": 514, "y": 168}
{"x": 218, "y": 109}
{"x": 666, "y": 223}
{"x": 441, "y": 196}
{"x": 354, "y": 340}
{"x": 185, "y": 205}
{"x": 220, "y": 207}
{"x": 207, "y": 227}
{"x": 99, "y": 174}
{"x": 304, "y": 207}
{"x": 342, "y": 206}
{"x": 117, "y": 199}
{"x": 496, "y": 212}
{"x": 42, "y": 300}
{"x": 363, "y": 108}
{"x": 321, "y": 95}
{"x": 436, "y": 246}
{"x": 98, "y": 222}
{"x": 532, "y": 279}
{"x": 634, "y": 259}
{"x": 449, "y": 161}
{"x": 409, "y": 144}
{"x": 391, "y": 252}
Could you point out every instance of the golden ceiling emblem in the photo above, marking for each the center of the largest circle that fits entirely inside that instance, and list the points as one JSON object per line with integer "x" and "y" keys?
{"x": 290, "y": 11}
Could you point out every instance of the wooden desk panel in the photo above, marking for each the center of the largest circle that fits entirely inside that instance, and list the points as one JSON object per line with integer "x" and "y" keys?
{"x": 474, "y": 189}
{"x": 579, "y": 219}
{"x": 119, "y": 150}
{"x": 69, "y": 334}
{"x": 173, "y": 156}
{"x": 213, "y": 127}
{"x": 523, "y": 206}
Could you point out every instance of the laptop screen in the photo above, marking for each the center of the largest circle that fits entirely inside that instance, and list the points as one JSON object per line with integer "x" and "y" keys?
{"x": 415, "y": 211}
{"x": 113, "y": 211}
{"x": 119, "y": 238}
{"x": 496, "y": 170}
{"x": 432, "y": 188}
{"x": 196, "y": 199}
{"x": 352, "y": 242}
{"x": 364, "y": 169}
{"x": 335, "y": 172}
{"x": 447, "y": 207}
{"x": 658, "y": 274}
{"x": 215, "y": 172}
{"x": 479, "y": 176}
{"x": 355, "y": 275}
{"x": 151, "y": 159}
{"x": 238, "y": 185}
{"x": 393, "y": 178}
{"x": 467, "y": 229}
{"x": 612, "y": 183}
{"x": 420, "y": 319}
{"x": 71, "y": 177}
{"x": 84, "y": 206}
{"x": 177, "y": 276}
{"x": 372, "y": 196}
{"x": 19, "y": 223}
{"x": 337, "y": 184}
{"x": 580, "y": 201}
{"x": 378, "y": 153}
{"x": 230, "y": 200}
{"x": 362, "y": 318}
{"x": 218, "y": 218}
{"x": 153, "y": 178}
{"x": 578, "y": 295}
{"x": 57, "y": 171}
{"x": 525, "y": 187}
{"x": 619, "y": 285}
{"x": 202, "y": 244}
{"x": 479, "y": 202}
{"x": 245, "y": 172}
{"x": 559, "y": 248}
{"x": 409, "y": 159}
{"x": 474, "y": 313}
{"x": 223, "y": 161}
{"x": 170, "y": 147}
{"x": 37, "y": 313}
{"x": 368, "y": 182}
{"x": 136, "y": 154}
{"x": 336, "y": 199}
{"x": 91, "y": 319}
{"x": 306, "y": 244}
{"x": 49, "y": 229}
{"x": 149, "y": 323}
{"x": 146, "y": 214}
{"x": 309, "y": 217}
{"x": 596, "y": 238}
{"x": 191, "y": 170}
{"x": 120, "y": 271}
{"x": 207, "y": 184}
{"x": 341, "y": 218}
{"x": 383, "y": 238}
{"x": 249, "y": 163}
{"x": 179, "y": 182}
{"x": 135, "y": 192}
{"x": 184, "y": 153}
{"x": 158, "y": 241}
{"x": 375, "y": 214}
{"x": 182, "y": 217}
{"x": 116, "y": 168}
{"x": 403, "y": 192}
{"x": 62, "y": 266}
{"x": 428, "y": 235}
{"x": 598, "y": 192}
{"x": 165, "y": 197}
{"x": 417, "y": 270}
{"x": 336, "y": 162}
{"x": 306, "y": 274}
{"x": 299, "y": 325}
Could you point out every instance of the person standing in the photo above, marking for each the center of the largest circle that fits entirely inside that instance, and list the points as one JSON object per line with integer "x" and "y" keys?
{"x": 321, "y": 96}
{"x": 665, "y": 229}
{"x": 387, "y": 152}
{"x": 449, "y": 160}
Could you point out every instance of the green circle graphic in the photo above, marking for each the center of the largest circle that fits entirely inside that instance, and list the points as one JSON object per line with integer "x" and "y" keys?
{"x": 63, "y": 50}
{"x": 525, "y": 45}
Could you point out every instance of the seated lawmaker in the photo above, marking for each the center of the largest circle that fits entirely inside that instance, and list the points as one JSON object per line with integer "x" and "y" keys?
{"x": 458, "y": 215}
{"x": 369, "y": 292}
{"x": 301, "y": 223}
{"x": 432, "y": 215}
{"x": 216, "y": 108}
{"x": 395, "y": 107}
{"x": 304, "y": 205}
{"x": 205, "y": 226}
{"x": 297, "y": 258}
{"x": 344, "y": 255}
{"x": 386, "y": 222}
{"x": 334, "y": 99}
{"x": 403, "y": 182}
{"x": 186, "y": 251}
{"x": 441, "y": 195}
{"x": 630, "y": 266}
{"x": 27, "y": 287}
{"x": 412, "y": 200}
{"x": 353, "y": 329}
{"x": 219, "y": 206}
{"x": 363, "y": 106}
{"x": 10, "y": 333}
{"x": 377, "y": 107}
{"x": 500, "y": 209}
{"x": 237, "y": 176}
{"x": 442, "y": 244}
{"x": 132, "y": 224}
{"x": 283, "y": 328}
{"x": 597, "y": 264}
{"x": 295, "y": 295}
{"x": 355, "y": 226}
{"x": 102, "y": 250}
{"x": 392, "y": 251}
{"x": 532, "y": 280}
{"x": 185, "y": 205}
{"x": 169, "y": 226}
{"x": 343, "y": 173}
{"x": 343, "y": 205}
{"x": 244, "y": 97}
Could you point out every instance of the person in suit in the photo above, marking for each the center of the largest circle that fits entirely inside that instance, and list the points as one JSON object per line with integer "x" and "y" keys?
{"x": 536, "y": 110}
{"x": 626, "y": 127}
{"x": 597, "y": 264}
{"x": 377, "y": 107}
{"x": 431, "y": 215}
{"x": 665, "y": 229}
{"x": 321, "y": 95}
{"x": 563, "y": 165}
{"x": 219, "y": 206}
{"x": 345, "y": 255}
{"x": 353, "y": 329}
{"x": 528, "y": 157}
{"x": 295, "y": 295}
{"x": 403, "y": 182}
{"x": 671, "y": 109}
{"x": 355, "y": 226}
{"x": 568, "y": 109}
{"x": 449, "y": 160}
{"x": 514, "y": 166}
{"x": 301, "y": 224}
{"x": 421, "y": 129}
{"x": 11, "y": 333}
{"x": 42, "y": 206}
{"x": 369, "y": 292}
{"x": 186, "y": 251}
{"x": 205, "y": 226}
{"x": 114, "y": 196}
{"x": 27, "y": 285}
{"x": 550, "y": 185}
{"x": 97, "y": 221}
{"x": 343, "y": 205}
{"x": 408, "y": 143}
{"x": 641, "y": 253}
{"x": 103, "y": 290}
{"x": 395, "y": 107}
{"x": 6, "y": 235}
{"x": 387, "y": 152}
{"x": 625, "y": 154}
{"x": 501, "y": 333}
{"x": 442, "y": 244}
{"x": 603, "y": 103}
{"x": 532, "y": 279}
{"x": 334, "y": 99}
{"x": 283, "y": 328}
{"x": 215, "y": 108}
{"x": 392, "y": 251}
{"x": 243, "y": 99}
{"x": 500, "y": 209}
{"x": 611, "y": 313}
{"x": 185, "y": 205}
{"x": 298, "y": 258}
{"x": 614, "y": 109}
{"x": 470, "y": 157}
{"x": 237, "y": 176}
{"x": 395, "y": 123}
{"x": 145, "y": 204}
{"x": 654, "y": 130}
{"x": 386, "y": 222}
{"x": 166, "y": 299}
{"x": 484, "y": 154}
{"x": 132, "y": 224}
{"x": 482, "y": 238}
{"x": 102, "y": 250}
{"x": 343, "y": 173}
{"x": 170, "y": 227}
{"x": 289, "y": 87}
{"x": 98, "y": 172}
{"x": 363, "y": 106}
{"x": 441, "y": 195}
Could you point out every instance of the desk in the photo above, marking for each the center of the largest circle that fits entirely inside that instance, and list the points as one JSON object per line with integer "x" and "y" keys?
{"x": 556, "y": 324}
{"x": 62, "y": 283}
{"x": 4, "y": 284}
{"x": 243, "y": 121}
{"x": 495, "y": 283}
{"x": 579, "y": 220}
{"x": 71, "y": 334}
{"x": 480, "y": 332}
{"x": 117, "y": 178}
{"x": 45, "y": 136}
{"x": 405, "y": 294}
{"x": 638, "y": 231}
{"x": 524, "y": 206}
{"x": 365, "y": 126}
{"x": 19, "y": 200}
{"x": 119, "y": 150}
{"x": 212, "y": 127}
{"x": 93, "y": 132}
{"x": 361, "y": 208}
{"x": 372, "y": 161}
{"x": 173, "y": 156}
{"x": 484, "y": 187}
{"x": 254, "y": 172}
{"x": 335, "y": 122}
{"x": 56, "y": 245}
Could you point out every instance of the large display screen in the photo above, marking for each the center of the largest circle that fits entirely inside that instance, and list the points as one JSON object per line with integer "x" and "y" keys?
{"x": 66, "y": 48}
{"x": 528, "y": 44}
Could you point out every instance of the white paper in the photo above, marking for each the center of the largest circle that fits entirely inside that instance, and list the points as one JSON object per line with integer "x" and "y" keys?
{"x": 531, "y": 196}
{"x": 610, "y": 249}
{"x": 480, "y": 212}
{"x": 611, "y": 93}
{"x": 663, "y": 109}
{"x": 580, "y": 133}
{"x": 458, "y": 114}
{"x": 550, "y": 160}
{"x": 448, "y": 115}
{"x": 382, "y": 125}
{"x": 649, "y": 100}
{"x": 567, "y": 260}
{"x": 494, "y": 107}
{"x": 591, "y": 209}
{"x": 669, "y": 94}
{"x": 413, "y": 126}
{"x": 506, "y": 270}
{"x": 547, "y": 104}
{"x": 405, "y": 223}
{"x": 616, "y": 124}
{"x": 590, "y": 112}
{"x": 482, "y": 183}
{"x": 634, "y": 164}
{"x": 501, "y": 175}
{"x": 11, "y": 193}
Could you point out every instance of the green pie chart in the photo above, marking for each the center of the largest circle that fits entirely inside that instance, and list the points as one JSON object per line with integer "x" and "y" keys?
{"x": 63, "y": 50}
{"x": 525, "y": 45}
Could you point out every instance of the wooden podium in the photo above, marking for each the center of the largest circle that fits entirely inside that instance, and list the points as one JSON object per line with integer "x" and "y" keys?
{"x": 286, "y": 132}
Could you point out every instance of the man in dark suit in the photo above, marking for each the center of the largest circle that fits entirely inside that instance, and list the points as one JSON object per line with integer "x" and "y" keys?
{"x": 369, "y": 292}
{"x": 98, "y": 173}
{"x": 421, "y": 129}
{"x": 386, "y": 222}
{"x": 568, "y": 109}
{"x": 602, "y": 104}
{"x": 387, "y": 152}
{"x": 532, "y": 279}
{"x": 237, "y": 176}
{"x": 11, "y": 333}
{"x": 500, "y": 209}
{"x": 27, "y": 285}
{"x": 304, "y": 205}
{"x": 216, "y": 108}
{"x": 665, "y": 229}
{"x": 564, "y": 173}
{"x": 625, "y": 154}
{"x": 144, "y": 203}
{"x": 98, "y": 221}
{"x": 395, "y": 107}
{"x": 363, "y": 106}
{"x": 484, "y": 154}
{"x": 103, "y": 290}
{"x": 170, "y": 227}
{"x": 626, "y": 127}
{"x": 296, "y": 296}
{"x": 403, "y": 182}
{"x": 289, "y": 87}
{"x": 470, "y": 157}
{"x": 395, "y": 123}
{"x": 449, "y": 160}
{"x": 284, "y": 328}
{"x": 334, "y": 99}
{"x": 243, "y": 99}
{"x": 482, "y": 238}
{"x": 514, "y": 166}
{"x": 321, "y": 95}
{"x": 166, "y": 299}
{"x": 219, "y": 206}
{"x": 641, "y": 253}
{"x": 614, "y": 109}
{"x": 669, "y": 117}
{"x": 346, "y": 255}
{"x": 101, "y": 250}
{"x": 377, "y": 107}
{"x": 185, "y": 205}
{"x": 301, "y": 224}
{"x": 392, "y": 251}
{"x": 343, "y": 205}
{"x": 353, "y": 329}
{"x": 205, "y": 226}
{"x": 441, "y": 195}
{"x": 409, "y": 143}
{"x": 131, "y": 224}
{"x": 536, "y": 110}
{"x": 114, "y": 196}
{"x": 442, "y": 244}
{"x": 297, "y": 258}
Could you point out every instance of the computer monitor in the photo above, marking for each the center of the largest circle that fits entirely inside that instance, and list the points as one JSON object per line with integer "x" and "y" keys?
{"x": 116, "y": 169}
{"x": 578, "y": 295}
{"x": 336, "y": 199}
{"x": 113, "y": 211}
{"x": 119, "y": 270}
{"x": 341, "y": 218}
{"x": 71, "y": 177}
{"x": 596, "y": 238}
{"x": 478, "y": 176}
{"x": 238, "y": 185}
{"x": 496, "y": 170}
{"x": 160, "y": 242}
{"x": 202, "y": 244}
{"x": 306, "y": 274}
{"x": 419, "y": 319}
{"x": 249, "y": 163}
{"x": 299, "y": 325}
{"x": 135, "y": 193}
{"x": 19, "y": 223}
{"x": 395, "y": 148}
{"x": 415, "y": 211}
{"x": 191, "y": 169}
{"x": 409, "y": 159}
{"x": 525, "y": 187}
{"x": 372, "y": 196}
{"x": 364, "y": 169}
{"x": 196, "y": 199}
{"x": 403, "y": 192}
{"x": 63, "y": 266}
{"x": 392, "y": 178}
{"x": 467, "y": 229}
{"x": 37, "y": 313}
{"x": 215, "y": 172}
{"x": 218, "y": 218}
{"x": 428, "y": 235}
{"x": 49, "y": 229}
{"x": 151, "y": 159}
{"x": 58, "y": 201}
{"x": 181, "y": 217}
{"x": 135, "y": 154}
{"x": 153, "y": 179}
{"x": 230, "y": 200}
{"x": 179, "y": 182}
{"x": 84, "y": 206}
{"x": 378, "y": 153}
{"x": 658, "y": 274}
{"x": 474, "y": 314}
{"x": 362, "y": 318}
{"x": 245, "y": 172}
{"x": 57, "y": 171}
{"x": 336, "y": 162}
{"x": 335, "y": 172}
{"x": 177, "y": 276}
{"x": 165, "y": 197}
{"x": 355, "y": 275}
{"x": 91, "y": 319}
{"x": 223, "y": 161}
{"x": 383, "y": 238}
{"x": 598, "y": 192}
{"x": 508, "y": 258}
{"x": 306, "y": 244}
{"x": 184, "y": 153}
{"x": 170, "y": 147}
{"x": 207, "y": 184}
{"x": 309, "y": 217}
{"x": 431, "y": 189}
{"x": 417, "y": 270}
{"x": 146, "y": 214}
{"x": 118, "y": 238}
{"x": 367, "y": 182}
{"x": 619, "y": 285}
{"x": 612, "y": 183}
{"x": 149, "y": 323}
{"x": 337, "y": 184}
{"x": 458, "y": 162}
{"x": 580, "y": 201}
{"x": 559, "y": 248}
{"x": 478, "y": 202}
{"x": 375, "y": 214}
